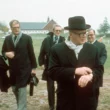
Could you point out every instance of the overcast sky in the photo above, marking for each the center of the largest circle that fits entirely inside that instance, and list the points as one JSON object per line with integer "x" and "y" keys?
{"x": 94, "y": 11}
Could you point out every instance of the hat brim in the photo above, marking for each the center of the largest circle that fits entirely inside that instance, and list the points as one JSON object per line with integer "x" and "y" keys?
{"x": 86, "y": 27}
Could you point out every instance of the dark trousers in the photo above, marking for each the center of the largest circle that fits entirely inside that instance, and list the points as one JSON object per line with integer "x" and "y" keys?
{"x": 97, "y": 95}
{"x": 51, "y": 93}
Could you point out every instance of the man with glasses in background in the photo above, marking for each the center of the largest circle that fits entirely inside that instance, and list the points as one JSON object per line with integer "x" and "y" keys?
{"x": 18, "y": 49}
{"x": 75, "y": 65}
{"x": 43, "y": 59}
{"x": 101, "y": 46}
{"x": 91, "y": 37}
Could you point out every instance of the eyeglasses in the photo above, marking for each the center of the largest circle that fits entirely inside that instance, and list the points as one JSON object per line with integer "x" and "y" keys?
{"x": 90, "y": 35}
{"x": 15, "y": 27}
{"x": 80, "y": 34}
{"x": 58, "y": 30}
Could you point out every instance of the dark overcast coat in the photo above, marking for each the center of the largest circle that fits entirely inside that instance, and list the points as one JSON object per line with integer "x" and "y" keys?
{"x": 21, "y": 65}
{"x": 62, "y": 65}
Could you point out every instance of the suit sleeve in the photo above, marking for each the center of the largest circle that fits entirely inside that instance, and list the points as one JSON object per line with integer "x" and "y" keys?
{"x": 5, "y": 48}
{"x": 57, "y": 72}
{"x": 41, "y": 57}
{"x": 98, "y": 71}
{"x": 103, "y": 55}
{"x": 31, "y": 53}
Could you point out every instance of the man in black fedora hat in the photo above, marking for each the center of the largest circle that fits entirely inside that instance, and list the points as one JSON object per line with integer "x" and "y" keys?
{"x": 75, "y": 65}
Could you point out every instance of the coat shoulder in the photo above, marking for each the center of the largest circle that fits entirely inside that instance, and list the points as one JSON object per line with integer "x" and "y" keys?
{"x": 8, "y": 36}
{"x": 100, "y": 44}
{"x": 26, "y": 35}
{"x": 90, "y": 46}
{"x": 59, "y": 46}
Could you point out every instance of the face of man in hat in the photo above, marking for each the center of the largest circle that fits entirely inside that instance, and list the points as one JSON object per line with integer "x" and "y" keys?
{"x": 77, "y": 29}
{"x": 78, "y": 37}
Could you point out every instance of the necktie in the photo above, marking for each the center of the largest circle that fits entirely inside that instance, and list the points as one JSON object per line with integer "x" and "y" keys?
{"x": 15, "y": 38}
{"x": 56, "y": 38}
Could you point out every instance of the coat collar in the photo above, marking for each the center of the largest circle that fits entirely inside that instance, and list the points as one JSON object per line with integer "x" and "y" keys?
{"x": 72, "y": 57}
{"x": 17, "y": 39}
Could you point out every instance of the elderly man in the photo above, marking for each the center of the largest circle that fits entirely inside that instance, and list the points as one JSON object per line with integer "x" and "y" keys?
{"x": 101, "y": 47}
{"x": 75, "y": 65}
{"x": 51, "y": 39}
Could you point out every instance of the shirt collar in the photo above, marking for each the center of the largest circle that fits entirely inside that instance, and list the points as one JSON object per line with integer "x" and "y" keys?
{"x": 93, "y": 41}
{"x": 19, "y": 35}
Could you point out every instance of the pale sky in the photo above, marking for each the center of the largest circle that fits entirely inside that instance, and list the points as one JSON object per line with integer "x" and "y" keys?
{"x": 94, "y": 11}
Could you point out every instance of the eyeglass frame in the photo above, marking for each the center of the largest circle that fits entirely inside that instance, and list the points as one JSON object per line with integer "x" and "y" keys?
{"x": 80, "y": 34}
{"x": 90, "y": 35}
{"x": 58, "y": 30}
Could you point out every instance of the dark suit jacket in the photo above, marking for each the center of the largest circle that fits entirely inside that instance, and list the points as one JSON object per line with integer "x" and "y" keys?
{"x": 102, "y": 55}
{"x": 44, "y": 54}
{"x": 62, "y": 65}
{"x": 21, "y": 65}
{"x": 102, "y": 51}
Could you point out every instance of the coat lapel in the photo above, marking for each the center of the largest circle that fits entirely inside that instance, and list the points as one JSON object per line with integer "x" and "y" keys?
{"x": 71, "y": 56}
{"x": 18, "y": 43}
{"x": 84, "y": 54}
{"x": 81, "y": 57}
{"x": 60, "y": 39}
{"x": 11, "y": 44}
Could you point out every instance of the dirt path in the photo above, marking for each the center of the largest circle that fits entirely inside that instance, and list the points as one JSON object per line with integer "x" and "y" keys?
{"x": 39, "y": 100}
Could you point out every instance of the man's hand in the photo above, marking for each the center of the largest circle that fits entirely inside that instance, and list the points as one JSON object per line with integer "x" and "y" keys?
{"x": 33, "y": 71}
{"x": 83, "y": 80}
{"x": 83, "y": 71}
{"x": 10, "y": 54}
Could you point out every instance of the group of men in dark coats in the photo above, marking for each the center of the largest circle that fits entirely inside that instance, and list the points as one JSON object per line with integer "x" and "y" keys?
{"x": 75, "y": 64}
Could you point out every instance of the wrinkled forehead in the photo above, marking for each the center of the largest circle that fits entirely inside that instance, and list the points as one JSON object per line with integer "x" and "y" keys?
{"x": 91, "y": 32}
{"x": 15, "y": 22}
{"x": 57, "y": 28}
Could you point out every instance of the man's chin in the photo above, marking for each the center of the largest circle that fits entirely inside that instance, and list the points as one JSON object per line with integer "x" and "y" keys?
{"x": 17, "y": 33}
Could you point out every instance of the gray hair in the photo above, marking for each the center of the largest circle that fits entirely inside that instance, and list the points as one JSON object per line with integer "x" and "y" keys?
{"x": 91, "y": 30}
{"x": 14, "y": 21}
{"x": 56, "y": 25}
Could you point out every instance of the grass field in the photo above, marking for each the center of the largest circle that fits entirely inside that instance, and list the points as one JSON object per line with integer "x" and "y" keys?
{"x": 39, "y": 100}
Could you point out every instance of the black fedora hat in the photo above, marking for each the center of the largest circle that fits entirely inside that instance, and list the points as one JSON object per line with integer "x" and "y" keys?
{"x": 77, "y": 23}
